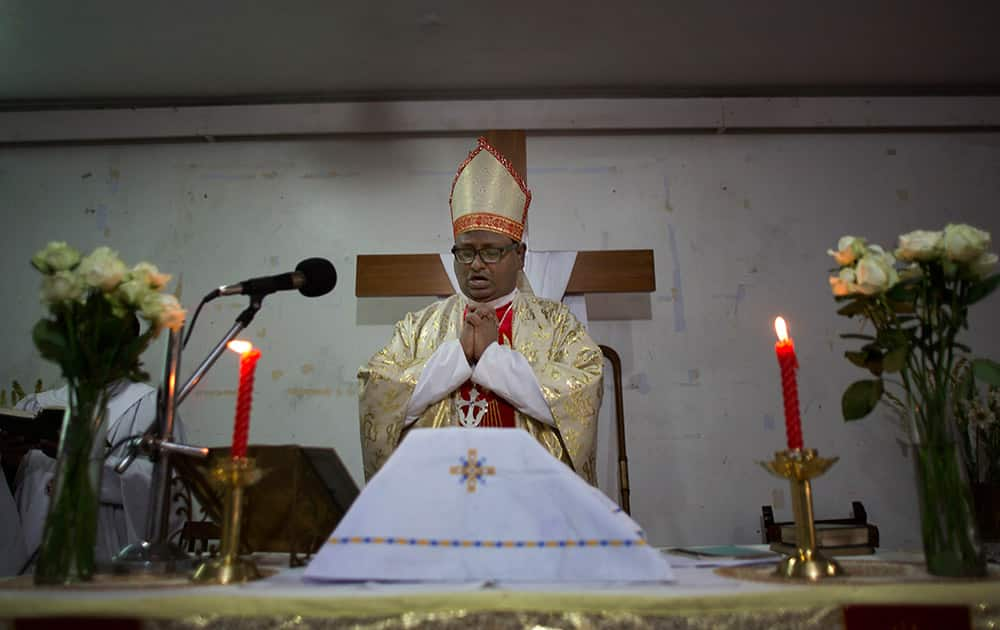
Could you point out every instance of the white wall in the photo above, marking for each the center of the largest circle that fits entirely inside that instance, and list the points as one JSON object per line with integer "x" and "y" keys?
{"x": 739, "y": 224}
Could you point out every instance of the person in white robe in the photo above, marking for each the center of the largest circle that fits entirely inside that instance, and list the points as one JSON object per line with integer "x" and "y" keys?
{"x": 12, "y": 548}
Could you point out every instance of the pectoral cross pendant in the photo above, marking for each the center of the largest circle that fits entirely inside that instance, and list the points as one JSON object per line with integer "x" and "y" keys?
{"x": 473, "y": 410}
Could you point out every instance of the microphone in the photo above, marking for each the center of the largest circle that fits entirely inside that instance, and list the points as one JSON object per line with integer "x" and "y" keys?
{"x": 313, "y": 277}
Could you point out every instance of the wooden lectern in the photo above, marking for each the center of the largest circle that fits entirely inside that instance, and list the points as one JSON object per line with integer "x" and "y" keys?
{"x": 293, "y": 508}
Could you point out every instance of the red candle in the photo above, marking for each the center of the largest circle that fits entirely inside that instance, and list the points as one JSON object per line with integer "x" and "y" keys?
{"x": 785, "y": 349}
{"x": 244, "y": 398}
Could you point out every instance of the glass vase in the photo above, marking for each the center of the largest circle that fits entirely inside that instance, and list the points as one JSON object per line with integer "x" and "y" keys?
{"x": 951, "y": 541}
{"x": 66, "y": 554}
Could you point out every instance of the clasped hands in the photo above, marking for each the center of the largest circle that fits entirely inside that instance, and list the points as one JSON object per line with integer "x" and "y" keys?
{"x": 481, "y": 328}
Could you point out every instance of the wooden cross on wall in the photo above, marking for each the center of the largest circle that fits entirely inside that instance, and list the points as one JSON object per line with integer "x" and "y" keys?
{"x": 609, "y": 271}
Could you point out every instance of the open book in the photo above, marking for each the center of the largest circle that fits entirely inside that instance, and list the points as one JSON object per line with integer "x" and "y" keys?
{"x": 45, "y": 425}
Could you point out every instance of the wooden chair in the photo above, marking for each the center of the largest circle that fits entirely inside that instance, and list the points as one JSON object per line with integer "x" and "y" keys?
{"x": 616, "y": 375}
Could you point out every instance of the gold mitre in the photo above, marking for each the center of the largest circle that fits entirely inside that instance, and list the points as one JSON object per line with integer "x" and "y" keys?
{"x": 488, "y": 194}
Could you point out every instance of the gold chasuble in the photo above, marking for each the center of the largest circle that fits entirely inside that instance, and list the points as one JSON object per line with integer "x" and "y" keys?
{"x": 565, "y": 360}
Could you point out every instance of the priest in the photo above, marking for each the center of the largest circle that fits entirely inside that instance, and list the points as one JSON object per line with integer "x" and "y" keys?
{"x": 495, "y": 356}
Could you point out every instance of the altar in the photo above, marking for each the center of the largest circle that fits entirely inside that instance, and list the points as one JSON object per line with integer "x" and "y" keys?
{"x": 885, "y": 590}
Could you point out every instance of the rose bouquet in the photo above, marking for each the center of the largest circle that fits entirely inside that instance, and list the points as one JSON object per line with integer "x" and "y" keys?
{"x": 977, "y": 410}
{"x": 917, "y": 300}
{"x": 92, "y": 332}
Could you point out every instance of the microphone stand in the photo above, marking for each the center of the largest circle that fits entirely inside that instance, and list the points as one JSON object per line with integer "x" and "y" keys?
{"x": 156, "y": 554}
{"x": 242, "y": 321}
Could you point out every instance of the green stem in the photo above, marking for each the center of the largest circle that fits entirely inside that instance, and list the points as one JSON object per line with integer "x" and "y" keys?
{"x": 70, "y": 534}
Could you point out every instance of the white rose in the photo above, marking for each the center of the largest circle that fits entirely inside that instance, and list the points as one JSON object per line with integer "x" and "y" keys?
{"x": 102, "y": 269}
{"x": 56, "y": 256}
{"x": 133, "y": 292}
{"x": 171, "y": 313}
{"x": 875, "y": 273}
{"x": 849, "y": 249}
{"x": 150, "y": 306}
{"x": 964, "y": 243}
{"x": 163, "y": 310}
{"x": 61, "y": 286}
{"x": 844, "y": 282}
{"x": 887, "y": 258}
{"x": 982, "y": 266}
{"x": 920, "y": 245}
{"x": 148, "y": 274}
{"x": 877, "y": 250}
{"x": 118, "y": 306}
{"x": 38, "y": 262}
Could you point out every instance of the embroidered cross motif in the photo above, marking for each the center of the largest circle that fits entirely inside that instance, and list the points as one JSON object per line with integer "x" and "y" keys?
{"x": 472, "y": 470}
{"x": 472, "y": 410}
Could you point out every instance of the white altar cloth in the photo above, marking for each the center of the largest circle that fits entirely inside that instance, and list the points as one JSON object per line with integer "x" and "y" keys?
{"x": 458, "y": 505}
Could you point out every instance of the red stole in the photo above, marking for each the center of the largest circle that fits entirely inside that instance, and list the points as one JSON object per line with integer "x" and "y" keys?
{"x": 478, "y": 406}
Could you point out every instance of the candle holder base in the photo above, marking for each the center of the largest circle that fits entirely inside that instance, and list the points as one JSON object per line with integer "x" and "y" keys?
{"x": 799, "y": 466}
{"x": 226, "y": 571}
{"x": 810, "y": 565}
{"x": 232, "y": 475}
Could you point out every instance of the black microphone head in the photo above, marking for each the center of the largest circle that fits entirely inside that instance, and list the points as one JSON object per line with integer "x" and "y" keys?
{"x": 320, "y": 275}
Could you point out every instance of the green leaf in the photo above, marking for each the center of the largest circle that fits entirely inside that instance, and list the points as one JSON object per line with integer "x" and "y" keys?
{"x": 902, "y": 307}
{"x": 895, "y": 359}
{"x": 893, "y": 338}
{"x": 983, "y": 288}
{"x": 853, "y": 308}
{"x": 868, "y": 357}
{"x": 902, "y": 297}
{"x": 905, "y": 291}
{"x": 987, "y": 371}
{"x": 50, "y": 340}
{"x": 860, "y": 398}
{"x": 857, "y": 358}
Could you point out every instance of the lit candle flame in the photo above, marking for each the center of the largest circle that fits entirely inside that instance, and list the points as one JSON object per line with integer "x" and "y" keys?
{"x": 781, "y": 328}
{"x": 239, "y": 346}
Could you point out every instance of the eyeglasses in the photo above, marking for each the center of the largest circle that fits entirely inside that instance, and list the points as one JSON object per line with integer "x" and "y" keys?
{"x": 488, "y": 255}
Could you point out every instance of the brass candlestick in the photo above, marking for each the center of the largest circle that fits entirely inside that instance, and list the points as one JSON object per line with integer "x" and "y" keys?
{"x": 799, "y": 466}
{"x": 233, "y": 475}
